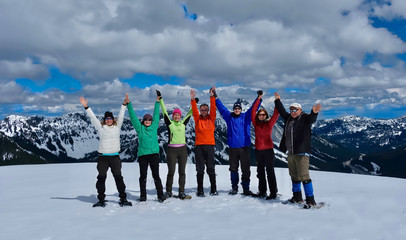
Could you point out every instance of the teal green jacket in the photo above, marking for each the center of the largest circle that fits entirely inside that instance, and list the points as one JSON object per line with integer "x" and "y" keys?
{"x": 147, "y": 136}
{"x": 176, "y": 129}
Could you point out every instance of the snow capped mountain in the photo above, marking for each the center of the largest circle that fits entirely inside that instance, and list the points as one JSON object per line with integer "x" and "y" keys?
{"x": 364, "y": 135}
{"x": 72, "y": 138}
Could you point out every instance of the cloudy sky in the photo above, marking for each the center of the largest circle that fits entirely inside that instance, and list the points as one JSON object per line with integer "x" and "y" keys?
{"x": 348, "y": 55}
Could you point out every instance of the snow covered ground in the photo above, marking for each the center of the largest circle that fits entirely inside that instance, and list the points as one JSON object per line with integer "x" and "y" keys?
{"x": 47, "y": 202}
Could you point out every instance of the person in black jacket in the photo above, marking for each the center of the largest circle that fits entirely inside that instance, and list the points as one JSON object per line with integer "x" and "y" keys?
{"x": 296, "y": 141}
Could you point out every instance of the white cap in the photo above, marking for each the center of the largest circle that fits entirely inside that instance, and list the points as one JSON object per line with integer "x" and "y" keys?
{"x": 296, "y": 105}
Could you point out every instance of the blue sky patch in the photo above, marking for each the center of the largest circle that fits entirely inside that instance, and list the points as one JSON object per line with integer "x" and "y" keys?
{"x": 143, "y": 80}
{"x": 57, "y": 80}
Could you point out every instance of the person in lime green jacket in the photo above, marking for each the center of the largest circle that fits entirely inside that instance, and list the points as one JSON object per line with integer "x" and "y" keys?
{"x": 148, "y": 148}
{"x": 177, "y": 151}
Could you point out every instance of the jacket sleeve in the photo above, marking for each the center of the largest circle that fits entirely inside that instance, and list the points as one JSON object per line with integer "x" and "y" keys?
{"x": 213, "y": 108}
{"x": 312, "y": 117}
{"x": 165, "y": 113}
{"x": 155, "y": 118}
{"x": 252, "y": 109}
{"x": 281, "y": 109}
{"x": 195, "y": 110}
{"x": 133, "y": 117}
{"x": 274, "y": 117}
{"x": 93, "y": 119}
{"x": 120, "y": 119}
{"x": 223, "y": 110}
{"x": 254, "y": 113}
{"x": 187, "y": 117}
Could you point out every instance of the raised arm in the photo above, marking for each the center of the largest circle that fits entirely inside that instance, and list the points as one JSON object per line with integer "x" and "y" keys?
{"x": 93, "y": 119}
{"x": 155, "y": 118}
{"x": 194, "y": 105}
{"x": 279, "y": 106}
{"x": 274, "y": 117}
{"x": 120, "y": 119}
{"x": 254, "y": 113}
{"x": 133, "y": 117}
{"x": 213, "y": 108}
{"x": 223, "y": 110}
{"x": 187, "y": 117}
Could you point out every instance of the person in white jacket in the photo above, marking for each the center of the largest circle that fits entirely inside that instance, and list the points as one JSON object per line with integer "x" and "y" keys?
{"x": 109, "y": 147}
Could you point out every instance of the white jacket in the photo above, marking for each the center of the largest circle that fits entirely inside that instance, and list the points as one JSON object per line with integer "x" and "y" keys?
{"x": 109, "y": 135}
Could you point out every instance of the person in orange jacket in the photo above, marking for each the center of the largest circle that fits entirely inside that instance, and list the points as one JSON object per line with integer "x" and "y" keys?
{"x": 204, "y": 143}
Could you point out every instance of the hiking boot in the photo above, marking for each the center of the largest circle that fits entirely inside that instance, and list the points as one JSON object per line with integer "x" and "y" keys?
{"x": 297, "y": 198}
{"x": 142, "y": 199}
{"x": 161, "y": 198}
{"x": 215, "y": 193}
{"x": 168, "y": 195}
{"x": 200, "y": 194}
{"x": 310, "y": 201}
{"x": 272, "y": 196}
{"x": 247, "y": 192}
{"x": 101, "y": 203}
{"x": 259, "y": 194}
{"x": 123, "y": 202}
{"x": 233, "y": 191}
{"x": 182, "y": 195}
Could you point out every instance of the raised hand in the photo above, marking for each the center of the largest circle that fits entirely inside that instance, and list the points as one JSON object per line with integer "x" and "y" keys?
{"x": 213, "y": 92}
{"x": 260, "y": 93}
{"x": 83, "y": 101}
{"x": 317, "y": 108}
{"x": 158, "y": 95}
{"x": 277, "y": 96}
{"x": 192, "y": 94}
{"x": 126, "y": 99}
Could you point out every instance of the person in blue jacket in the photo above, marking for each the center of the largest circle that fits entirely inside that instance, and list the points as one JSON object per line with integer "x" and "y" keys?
{"x": 239, "y": 141}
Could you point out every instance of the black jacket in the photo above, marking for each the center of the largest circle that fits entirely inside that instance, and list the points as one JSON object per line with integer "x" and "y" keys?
{"x": 301, "y": 129}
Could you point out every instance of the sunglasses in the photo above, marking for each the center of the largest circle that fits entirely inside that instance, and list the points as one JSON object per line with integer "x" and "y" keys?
{"x": 262, "y": 114}
{"x": 108, "y": 118}
{"x": 148, "y": 119}
{"x": 237, "y": 108}
{"x": 204, "y": 110}
{"x": 294, "y": 110}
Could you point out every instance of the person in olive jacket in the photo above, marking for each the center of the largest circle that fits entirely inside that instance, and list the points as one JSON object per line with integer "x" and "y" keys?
{"x": 148, "y": 148}
{"x": 296, "y": 141}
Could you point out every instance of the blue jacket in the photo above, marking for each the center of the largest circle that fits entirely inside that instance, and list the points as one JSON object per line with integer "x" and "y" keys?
{"x": 238, "y": 127}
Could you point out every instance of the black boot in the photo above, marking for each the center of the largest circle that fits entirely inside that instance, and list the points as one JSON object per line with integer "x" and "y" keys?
{"x": 310, "y": 201}
{"x": 297, "y": 198}
{"x": 213, "y": 187}
{"x": 200, "y": 191}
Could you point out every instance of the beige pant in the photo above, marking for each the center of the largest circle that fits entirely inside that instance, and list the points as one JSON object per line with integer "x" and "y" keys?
{"x": 298, "y": 167}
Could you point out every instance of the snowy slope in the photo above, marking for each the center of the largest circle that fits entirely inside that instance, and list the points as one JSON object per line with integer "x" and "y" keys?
{"x": 53, "y": 202}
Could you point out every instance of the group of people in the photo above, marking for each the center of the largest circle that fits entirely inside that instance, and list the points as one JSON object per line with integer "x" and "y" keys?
{"x": 295, "y": 142}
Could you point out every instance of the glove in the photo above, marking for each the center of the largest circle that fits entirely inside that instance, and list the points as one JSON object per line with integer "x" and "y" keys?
{"x": 158, "y": 93}
{"x": 260, "y": 92}
{"x": 197, "y": 100}
{"x": 214, "y": 93}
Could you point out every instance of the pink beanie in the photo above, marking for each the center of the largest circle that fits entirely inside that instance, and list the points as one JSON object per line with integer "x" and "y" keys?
{"x": 177, "y": 110}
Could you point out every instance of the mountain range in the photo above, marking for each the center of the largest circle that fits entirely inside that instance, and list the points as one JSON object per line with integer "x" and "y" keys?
{"x": 349, "y": 144}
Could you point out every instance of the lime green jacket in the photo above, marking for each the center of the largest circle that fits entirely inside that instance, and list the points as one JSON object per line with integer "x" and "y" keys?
{"x": 176, "y": 129}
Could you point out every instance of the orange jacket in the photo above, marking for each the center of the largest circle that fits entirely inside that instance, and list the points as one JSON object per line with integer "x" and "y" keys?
{"x": 204, "y": 127}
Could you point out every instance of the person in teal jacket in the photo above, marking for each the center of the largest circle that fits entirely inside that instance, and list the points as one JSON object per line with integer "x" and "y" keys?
{"x": 148, "y": 148}
{"x": 177, "y": 151}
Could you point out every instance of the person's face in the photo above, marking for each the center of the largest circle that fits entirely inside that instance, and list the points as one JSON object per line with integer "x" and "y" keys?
{"x": 261, "y": 115}
{"x": 109, "y": 121}
{"x": 204, "y": 111}
{"x": 176, "y": 117}
{"x": 237, "y": 111}
{"x": 147, "y": 122}
{"x": 295, "y": 112}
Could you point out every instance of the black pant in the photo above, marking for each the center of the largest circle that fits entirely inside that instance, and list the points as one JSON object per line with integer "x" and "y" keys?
{"x": 205, "y": 156}
{"x": 242, "y": 155}
{"x": 153, "y": 161}
{"x": 103, "y": 165}
{"x": 265, "y": 160}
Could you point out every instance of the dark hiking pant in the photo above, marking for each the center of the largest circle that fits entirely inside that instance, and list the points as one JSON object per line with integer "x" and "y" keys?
{"x": 265, "y": 163}
{"x": 153, "y": 161}
{"x": 176, "y": 155}
{"x": 103, "y": 165}
{"x": 205, "y": 158}
{"x": 237, "y": 156}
